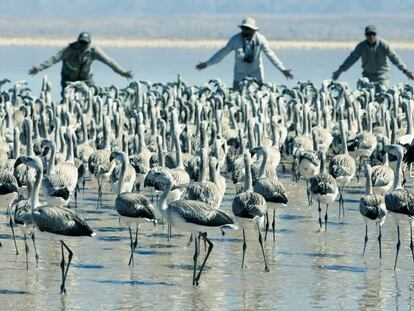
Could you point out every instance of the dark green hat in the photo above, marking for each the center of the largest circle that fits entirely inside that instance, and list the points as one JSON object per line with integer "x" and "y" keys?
{"x": 370, "y": 28}
{"x": 85, "y": 37}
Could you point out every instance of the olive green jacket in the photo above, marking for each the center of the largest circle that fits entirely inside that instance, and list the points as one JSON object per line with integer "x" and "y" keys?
{"x": 77, "y": 66}
{"x": 374, "y": 58}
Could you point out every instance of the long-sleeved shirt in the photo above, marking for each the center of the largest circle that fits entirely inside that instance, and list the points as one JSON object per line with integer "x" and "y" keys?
{"x": 242, "y": 48}
{"x": 374, "y": 58}
{"x": 77, "y": 65}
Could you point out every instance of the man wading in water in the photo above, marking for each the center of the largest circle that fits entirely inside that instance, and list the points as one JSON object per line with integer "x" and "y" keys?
{"x": 374, "y": 53}
{"x": 77, "y": 60}
{"x": 248, "y": 60}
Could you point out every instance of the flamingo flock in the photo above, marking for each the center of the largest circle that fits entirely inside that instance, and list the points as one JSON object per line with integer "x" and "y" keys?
{"x": 170, "y": 152}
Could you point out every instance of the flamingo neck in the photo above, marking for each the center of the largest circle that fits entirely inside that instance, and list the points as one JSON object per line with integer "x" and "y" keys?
{"x": 162, "y": 203}
{"x": 34, "y": 195}
{"x": 397, "y": 173}
{"x": 121, "y": 182}
{"x": 52, "y": 159}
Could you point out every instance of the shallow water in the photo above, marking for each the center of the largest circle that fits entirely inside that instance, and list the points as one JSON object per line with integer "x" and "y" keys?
{"x": 308, "y": 269}
{"x": 158, "y": 64}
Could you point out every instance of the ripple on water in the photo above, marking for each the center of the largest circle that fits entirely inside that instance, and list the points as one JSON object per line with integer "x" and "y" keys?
{"x": 343, "y": 268}
{"x": 111, "y": 229}
{"x": 111, "y": 238}
{"x": 318, "y": 255}
{"x": 134, "y": 283}
{"x": 322, "y": 255}
{"x": 184, "y": 267}
{"x": 164, "y": 235}
{"x": 162, "y": 246}
{"x": 93, "y": 212}
{"x": 293, "y": 217}
{"x": 227, "y": 240}
{"x": 147, "y": 252}
{"x": 88, "y": 266}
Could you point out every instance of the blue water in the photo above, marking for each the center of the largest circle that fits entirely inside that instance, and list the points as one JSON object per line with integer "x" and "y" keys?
{"x": 156, "y": 64}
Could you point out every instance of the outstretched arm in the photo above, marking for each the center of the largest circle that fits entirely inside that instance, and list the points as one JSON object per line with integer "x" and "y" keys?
{"x": 349, "y": 61}
{"x": 218, "y": 56}
{"x": 275, "y": 60}
{"x": 104, "y": 58}
{"x": 396, "y": 60}
{"x": 50, "y": 62}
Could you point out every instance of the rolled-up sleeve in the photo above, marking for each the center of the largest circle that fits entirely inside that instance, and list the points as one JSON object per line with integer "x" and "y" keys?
{"x": 351, "y": 59}
{"x": 223, "y": 52}
{"x": 101, "y": 56}
{"x": 53, "y": 60}
{"x": 271, "y": 56}
{"x": 394, "y": 58}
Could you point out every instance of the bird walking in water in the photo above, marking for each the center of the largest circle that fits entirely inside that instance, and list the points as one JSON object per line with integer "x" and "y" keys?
{"x": 133, "y": 208}
{"x": 400, "y": 202}
{"x": 192, "y": 216}
{"x": 324, "y": 189}
{"x": 372, "y": 208}
{"x": 250, "y": 207}
{"x": 56, "y": 222}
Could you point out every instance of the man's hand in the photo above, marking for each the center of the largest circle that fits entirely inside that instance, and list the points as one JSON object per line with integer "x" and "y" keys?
{"x": 34, "y": 70}
{"x": 409, "y": 74}
{"x": 201, "y": 66}
{"x": 336, "y": 74}
{"x": 128, "y": 74}
{"x": 287, "y": 73}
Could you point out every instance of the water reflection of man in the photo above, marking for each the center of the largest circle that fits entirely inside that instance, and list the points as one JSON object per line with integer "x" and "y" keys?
{"x": 248, "y": 60}
{"x": 374, "y": 53}
{"x": 77, "y": 60}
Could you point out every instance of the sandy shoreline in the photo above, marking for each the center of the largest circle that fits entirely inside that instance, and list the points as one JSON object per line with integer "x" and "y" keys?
{"x": 130, "y": 42}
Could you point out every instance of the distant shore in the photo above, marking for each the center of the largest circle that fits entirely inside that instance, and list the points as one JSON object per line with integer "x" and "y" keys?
{"x": 130, "y": 42}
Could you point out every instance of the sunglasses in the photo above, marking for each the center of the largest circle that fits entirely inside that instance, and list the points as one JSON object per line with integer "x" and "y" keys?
{"x": 368, "y": 34}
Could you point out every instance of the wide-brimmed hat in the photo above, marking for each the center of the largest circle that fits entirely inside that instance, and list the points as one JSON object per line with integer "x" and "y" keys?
{"x": 249, "y": 22}
{"x": 85, "y": 37}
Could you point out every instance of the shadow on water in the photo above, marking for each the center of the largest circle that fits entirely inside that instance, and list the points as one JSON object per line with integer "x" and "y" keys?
{"x": 13, "y": 292}
{"x": 133, "y": 283}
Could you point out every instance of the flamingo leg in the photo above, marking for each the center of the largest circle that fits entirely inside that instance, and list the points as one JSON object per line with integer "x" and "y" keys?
{"x": 26, "y": 249}
{"x": 263, "y": 252}
{"x": 14, "y": 237}
{"x": 273, "y": 225}
{"x": 379, "y": 241}
{"x": 320, "y": 217}
{"x": 398, "y": 247}
{"x": 63, "y": 288}
{"x": 34, "y": 246}
{"x": 195, "y": 260}
{"x": 244, "y": 248}
{"x": 131, "y": 245}
{"x": 365, "y": 239}
{"x": 210, "y": 248}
